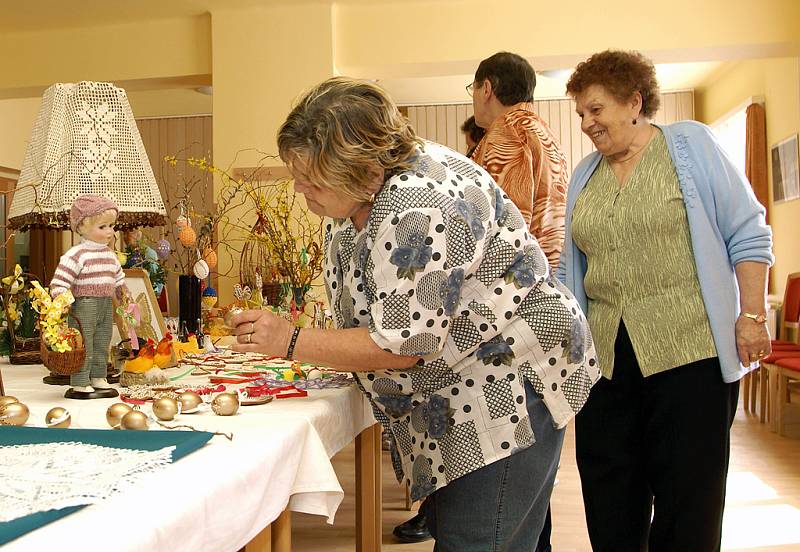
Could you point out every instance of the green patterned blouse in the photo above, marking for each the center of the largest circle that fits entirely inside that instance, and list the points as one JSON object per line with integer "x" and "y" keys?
{"x": 641, "y": 267}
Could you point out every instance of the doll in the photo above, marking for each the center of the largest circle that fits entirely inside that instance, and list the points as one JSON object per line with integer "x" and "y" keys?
{"x": 92, "y": 272}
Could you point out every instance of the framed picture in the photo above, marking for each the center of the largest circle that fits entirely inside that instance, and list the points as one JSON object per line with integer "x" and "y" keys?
{"x": 152, "y": 324}
{"x": 785, "y": 171}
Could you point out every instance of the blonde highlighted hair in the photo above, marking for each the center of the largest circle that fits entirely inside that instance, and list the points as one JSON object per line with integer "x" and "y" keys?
{"x": 344, "y": 128}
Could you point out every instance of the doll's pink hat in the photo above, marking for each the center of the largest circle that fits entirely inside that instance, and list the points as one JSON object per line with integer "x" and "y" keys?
{"x": 88, "y": 206}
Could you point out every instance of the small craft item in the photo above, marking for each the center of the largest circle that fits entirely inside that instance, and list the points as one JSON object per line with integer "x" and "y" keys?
{"x": 163, "y": 249}
{"x": 201, "y": 269}
{"x": 115, "y": 412}
{"x": 210, "y": 297}
{"x": 163, "y": 354}
{"x": 58, "y": 417}
{"x": 187, "y": 236}
{"x": 225, "y": 404}
{"x": 210, "y": 257}
{"x": 247, "y": 400}
{"x": 190, "y": 402}
{"x": 15, "y": 414}
{"x": 242, "y": 294}
{"x": 165, "y": 409}
{"x": 7, "y": 399}
{"x": 134, "y": 419}
{"x": 182, "y": 221}
{"x": 142, "y": 370}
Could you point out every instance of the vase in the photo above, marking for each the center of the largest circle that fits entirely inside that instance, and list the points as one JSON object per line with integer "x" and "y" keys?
{"x": 189, "y": 303}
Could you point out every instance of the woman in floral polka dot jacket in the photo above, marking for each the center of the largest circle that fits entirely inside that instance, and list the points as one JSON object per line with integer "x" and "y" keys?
{"x": 473, "y": 355}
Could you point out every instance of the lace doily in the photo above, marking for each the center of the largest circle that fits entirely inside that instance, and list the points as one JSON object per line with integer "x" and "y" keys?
{"x": 49, "y": 476}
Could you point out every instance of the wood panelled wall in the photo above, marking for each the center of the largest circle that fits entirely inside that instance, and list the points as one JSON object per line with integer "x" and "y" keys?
{"x": 442, "y": 123}
{"x": 181, "y": 137}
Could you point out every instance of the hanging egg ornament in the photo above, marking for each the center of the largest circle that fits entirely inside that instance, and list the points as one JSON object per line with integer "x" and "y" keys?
{"x": 15, "y": 414}
{"x": 188, "y": 236}
{"x": 201, "y": 269}
{"x": 58, "y": 417}
{"x": 190, "y": 402}
{"x": 209, "y": 297}
{"x": 181, "y": 222}
{"x": 165, "y": 409}
{"x": 225, "y": 404}
{"x": 163, "y": 248}
{"x": 115, "y": 413}
{"x": 135, "y": 419}
{"x": 210, "y": 257}
{"x": 7, "y": 399}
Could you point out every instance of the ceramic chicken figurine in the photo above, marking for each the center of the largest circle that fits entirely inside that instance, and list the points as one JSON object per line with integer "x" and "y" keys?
{"x": 143, "y": 361}
{"x": 163, "y": 353}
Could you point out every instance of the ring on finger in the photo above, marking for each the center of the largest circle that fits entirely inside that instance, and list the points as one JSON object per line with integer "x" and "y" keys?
{"x": 252, "y": 327}
{"x": 249, "y": 338}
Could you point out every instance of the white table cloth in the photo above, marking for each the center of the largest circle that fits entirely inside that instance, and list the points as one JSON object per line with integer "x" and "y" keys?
{"x": 218, "y": 497}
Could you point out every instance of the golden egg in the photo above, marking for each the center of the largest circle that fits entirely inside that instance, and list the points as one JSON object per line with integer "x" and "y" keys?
{"x": 188, "y": 236}
{"x": 8, "y": 399}
{"x": 115, "y": 413}
{"x": 225, "y": 404}
{"x": 165, "y": 408}
{"x": 14, "y": 414}
{"x": 228, "y": 317}
{"x": 135, "y": 419}
{"x": 57, "y": 417}
{"x": 190, "y": 401}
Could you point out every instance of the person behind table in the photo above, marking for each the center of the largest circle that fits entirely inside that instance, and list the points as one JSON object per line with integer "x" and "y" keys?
{"x": 472, "y": 133}
{"x": 471, "y": 355}
{"x": 520, "y": 150}
{"x": 667, "y": 251}
{"x": 92, "y": 272}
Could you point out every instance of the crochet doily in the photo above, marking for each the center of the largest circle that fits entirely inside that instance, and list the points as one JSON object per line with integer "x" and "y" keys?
{"x": 48, "y": 476}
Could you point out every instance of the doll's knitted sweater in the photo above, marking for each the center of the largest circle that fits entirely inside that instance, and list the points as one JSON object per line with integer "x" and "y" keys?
{"x": 89, "y": 269}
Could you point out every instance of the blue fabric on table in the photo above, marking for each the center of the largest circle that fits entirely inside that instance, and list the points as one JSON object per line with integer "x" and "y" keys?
{"x": 184, "y": 442}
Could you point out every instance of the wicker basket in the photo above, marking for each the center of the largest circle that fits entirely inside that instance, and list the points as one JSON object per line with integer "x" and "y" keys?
{"x": 66, "y": 363}
{"x": 24, "y": 350}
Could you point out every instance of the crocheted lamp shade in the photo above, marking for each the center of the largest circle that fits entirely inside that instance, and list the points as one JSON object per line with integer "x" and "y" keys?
{"x": 85, "y": 141}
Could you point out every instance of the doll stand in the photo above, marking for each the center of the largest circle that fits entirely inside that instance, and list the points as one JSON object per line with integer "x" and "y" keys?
{"x": 96, "y": 394}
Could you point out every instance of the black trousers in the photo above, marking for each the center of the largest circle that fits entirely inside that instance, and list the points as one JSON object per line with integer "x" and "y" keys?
{"x": 658, "y": 445}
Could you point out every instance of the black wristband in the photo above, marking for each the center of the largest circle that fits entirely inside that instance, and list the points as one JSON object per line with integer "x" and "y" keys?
{"x": 290, "y": 351}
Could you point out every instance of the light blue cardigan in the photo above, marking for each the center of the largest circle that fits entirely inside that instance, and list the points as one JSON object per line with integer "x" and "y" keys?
{"x": 726, "y": 223}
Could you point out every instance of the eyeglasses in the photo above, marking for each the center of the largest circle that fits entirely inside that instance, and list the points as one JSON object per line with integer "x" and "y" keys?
{"x": 469, "y": 88}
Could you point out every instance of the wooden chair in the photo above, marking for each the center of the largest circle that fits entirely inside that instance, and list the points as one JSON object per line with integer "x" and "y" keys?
{"x": 785, "y": 347}
{"x": 787, "y": 370}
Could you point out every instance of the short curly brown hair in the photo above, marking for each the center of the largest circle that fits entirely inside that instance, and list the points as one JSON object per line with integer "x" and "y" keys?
{"x": 622, "y": 74}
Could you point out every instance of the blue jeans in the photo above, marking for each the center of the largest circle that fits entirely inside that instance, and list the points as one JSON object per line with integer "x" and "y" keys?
{"x": 502, "y": 506}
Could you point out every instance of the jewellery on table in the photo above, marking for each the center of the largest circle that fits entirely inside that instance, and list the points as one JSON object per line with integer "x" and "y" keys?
{"x": 758, "y": 318}
{"x": 292, "y": 343}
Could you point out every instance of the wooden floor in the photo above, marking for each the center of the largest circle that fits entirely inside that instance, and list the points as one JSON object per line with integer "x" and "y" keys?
{"x": 762, "y": 514}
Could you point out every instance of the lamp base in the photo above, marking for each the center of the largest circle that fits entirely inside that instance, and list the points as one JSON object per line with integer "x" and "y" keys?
{"x": 96, "y": 394}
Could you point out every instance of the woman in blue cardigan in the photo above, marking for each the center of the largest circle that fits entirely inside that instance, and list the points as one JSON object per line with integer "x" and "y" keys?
{"x": 667, "y": 250}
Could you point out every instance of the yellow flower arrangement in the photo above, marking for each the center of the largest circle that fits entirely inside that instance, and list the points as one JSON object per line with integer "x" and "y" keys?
{"x": 53, "y": 319}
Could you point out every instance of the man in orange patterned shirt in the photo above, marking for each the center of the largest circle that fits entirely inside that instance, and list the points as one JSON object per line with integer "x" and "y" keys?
{"x": 519, "y": 149}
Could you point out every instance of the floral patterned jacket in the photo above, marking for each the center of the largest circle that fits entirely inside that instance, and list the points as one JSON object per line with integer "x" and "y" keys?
{"x": 446, "y": 269}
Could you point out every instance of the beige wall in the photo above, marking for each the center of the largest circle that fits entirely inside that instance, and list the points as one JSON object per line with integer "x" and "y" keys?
{"x": 432, "y": 33}
{"x": 778, "y": 80}
{"x": 256, "y": 82}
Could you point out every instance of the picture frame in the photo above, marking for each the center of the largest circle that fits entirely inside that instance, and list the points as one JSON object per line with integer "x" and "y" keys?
{"x": 785, "y": 170}
{"x": 152, "y": 325}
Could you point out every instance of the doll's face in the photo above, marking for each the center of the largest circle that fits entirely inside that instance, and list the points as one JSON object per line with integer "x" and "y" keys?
{"x": 99, "y": 228}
